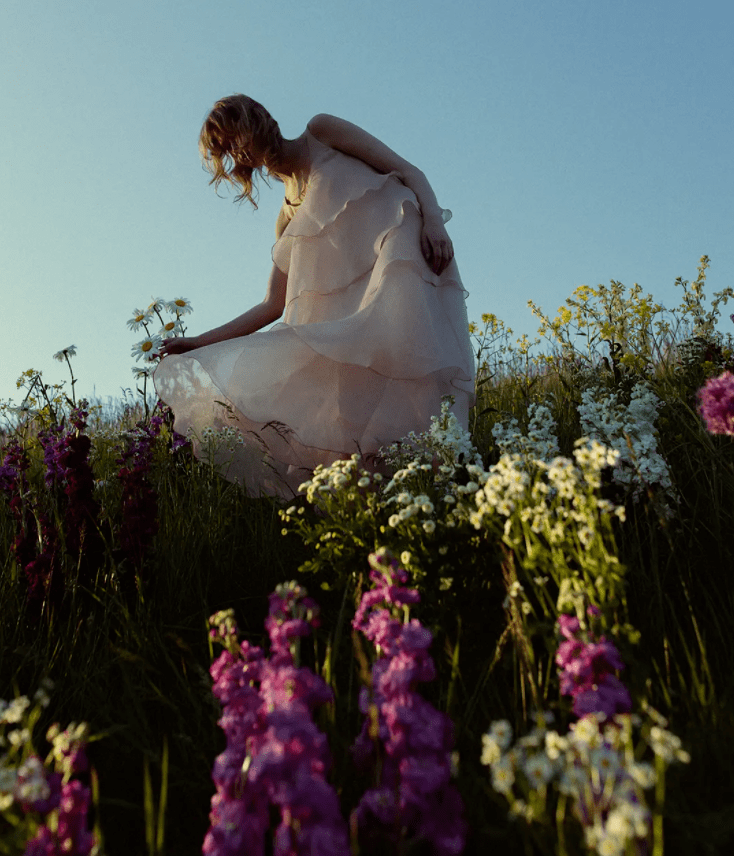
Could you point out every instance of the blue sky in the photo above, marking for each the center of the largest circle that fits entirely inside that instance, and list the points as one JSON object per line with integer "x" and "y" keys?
{"x": 575, "y": 141}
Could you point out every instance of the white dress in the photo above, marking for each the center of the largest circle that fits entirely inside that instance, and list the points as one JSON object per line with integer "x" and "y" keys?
{"x": 369, "y": 342}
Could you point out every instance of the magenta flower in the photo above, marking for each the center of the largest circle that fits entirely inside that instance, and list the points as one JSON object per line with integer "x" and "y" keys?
{"x": 587, "y": 666}
{"x": 275, "y": 754}
{"x": 68, "y": 834}
{"x": 415, "y": 797}
{"x": 716, "y": 404}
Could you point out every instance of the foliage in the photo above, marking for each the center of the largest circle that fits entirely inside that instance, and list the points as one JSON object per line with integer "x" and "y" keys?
{"x": 534, "y": 515}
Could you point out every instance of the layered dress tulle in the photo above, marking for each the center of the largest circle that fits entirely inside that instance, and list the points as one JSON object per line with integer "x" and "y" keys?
{"x": 369, "y": 342}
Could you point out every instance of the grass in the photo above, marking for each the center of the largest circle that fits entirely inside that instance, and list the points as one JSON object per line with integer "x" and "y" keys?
{"x": 129, "y": 652}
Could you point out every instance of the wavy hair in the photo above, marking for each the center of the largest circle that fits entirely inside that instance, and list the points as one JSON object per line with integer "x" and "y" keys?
{"x": 226, "y": 136}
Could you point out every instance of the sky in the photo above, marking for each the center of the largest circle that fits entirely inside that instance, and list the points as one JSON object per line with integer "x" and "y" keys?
{"x": 575, "y": 141}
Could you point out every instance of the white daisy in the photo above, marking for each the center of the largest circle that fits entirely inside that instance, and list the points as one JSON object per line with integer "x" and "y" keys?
{"x": 148, "y": 348}
{"x": 179, "y": 306}
{"x": 140, "y": 317}
{"x": 171, "y": 329}
{"x": 66, "y": 352}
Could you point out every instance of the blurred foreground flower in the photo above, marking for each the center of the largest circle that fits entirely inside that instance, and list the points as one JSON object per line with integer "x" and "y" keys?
{"x": 415, "y": 794}
{"x": 716, "y": 404}
{"x": 43, "y": 801}
{"x": 275, "y": 754}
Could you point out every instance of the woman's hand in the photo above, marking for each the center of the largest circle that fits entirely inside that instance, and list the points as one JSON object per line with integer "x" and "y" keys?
{"x": 436, "y": 245}
{"x": 178, "y": 345}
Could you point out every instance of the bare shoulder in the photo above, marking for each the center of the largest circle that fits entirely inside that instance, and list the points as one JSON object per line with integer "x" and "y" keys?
{"x": 355, "y": 141}
{"x": 327, "y": 128}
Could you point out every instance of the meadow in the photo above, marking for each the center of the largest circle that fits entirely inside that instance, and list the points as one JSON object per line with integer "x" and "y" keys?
{"x": 519, "y": 640}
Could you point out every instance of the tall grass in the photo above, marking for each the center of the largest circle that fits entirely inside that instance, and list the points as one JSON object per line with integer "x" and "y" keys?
{"x": 128, "y": 650}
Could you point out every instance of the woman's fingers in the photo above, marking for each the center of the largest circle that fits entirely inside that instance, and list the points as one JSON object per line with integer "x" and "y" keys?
{"x": 443, "y": 252}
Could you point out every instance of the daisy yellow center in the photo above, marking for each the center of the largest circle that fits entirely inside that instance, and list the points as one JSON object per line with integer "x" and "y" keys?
{"x": 146, "y": 346}
{"x": 139, "y": 317}
{"x": 169, "y": 326}
{"x": 180, "y": 302}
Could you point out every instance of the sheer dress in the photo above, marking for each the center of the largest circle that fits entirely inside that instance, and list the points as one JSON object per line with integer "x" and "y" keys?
{"x": 369, "y": 342}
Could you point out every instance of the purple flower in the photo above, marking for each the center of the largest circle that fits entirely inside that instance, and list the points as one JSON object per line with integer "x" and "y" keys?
{"x": 275, "y": 754}
{"x": 716, "y": 404}
{"x": 415, "y": 739}
{"x": 568, "y": 625}
{"x": 586, "y": 675}
{"x": 71, "y": 836}
{"x": 609, "y": 696}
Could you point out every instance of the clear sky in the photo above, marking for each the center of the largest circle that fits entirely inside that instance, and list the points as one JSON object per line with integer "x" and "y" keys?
{"x": 575, "y": 141}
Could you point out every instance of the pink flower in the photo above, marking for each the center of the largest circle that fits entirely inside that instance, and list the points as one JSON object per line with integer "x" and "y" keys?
{"x": 716, "y": 404}
{"x": 416, "y": 738}
{"x": 587, "y": 665}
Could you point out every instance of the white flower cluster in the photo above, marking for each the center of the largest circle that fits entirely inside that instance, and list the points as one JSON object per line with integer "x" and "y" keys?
{"x": 23, "y": 781}
{"x": 149, "y": 348}
{"x": 631, "y": 431}
{"x": 561, "y": 493}
{"x": 334, "y": 477}
{"x": 594, "y": 765}
{"x": 212, "y": 440}
{"x": 551, "y": 496}
{"x": 445, "y": 439}
{"x": 540, "y": 443}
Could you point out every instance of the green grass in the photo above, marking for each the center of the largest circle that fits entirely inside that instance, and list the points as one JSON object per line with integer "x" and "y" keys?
{"x": 131, "y": 657}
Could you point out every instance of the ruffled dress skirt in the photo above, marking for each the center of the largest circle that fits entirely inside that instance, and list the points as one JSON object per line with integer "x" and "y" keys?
{"x": 369, "y": 342}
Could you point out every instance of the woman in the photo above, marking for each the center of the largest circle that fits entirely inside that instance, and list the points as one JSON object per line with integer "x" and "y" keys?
{"x": 374, "y": 328}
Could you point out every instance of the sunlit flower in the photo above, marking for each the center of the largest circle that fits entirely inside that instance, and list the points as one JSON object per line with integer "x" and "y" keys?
{"x": 66, "y": 352}
{"x": 157, "y": 304}
{"x": 139, "y": 318}
{"x": 491, "y": 752}
{"x": 179, "y": 306}
{"x": 148, "y": 349}
{"x": 172, "y": 328}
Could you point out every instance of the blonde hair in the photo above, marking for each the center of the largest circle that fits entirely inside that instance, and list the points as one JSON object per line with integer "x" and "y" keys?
{"x": 229, "y": 129}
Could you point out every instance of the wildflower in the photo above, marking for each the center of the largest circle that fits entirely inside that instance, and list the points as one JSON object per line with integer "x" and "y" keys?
{"x": 538, "y": 770}
{"x": 70, "y": 351}
{"x": 171, "y": 328}
{"x": 501, "y": 731}
{"x": 587, "y": 666}
{"x": 491, "y": 751}
{"x": 179, "y": 306}
{"x": 716, "y": 404}
{"x": 630, "y": 431}
{"x": 275, "y": 753}
{"x": 140, "y": 317}
{"x": 503, "y": 776}
{"x": 417, "y": 739}
{"x": 148, "y": 348}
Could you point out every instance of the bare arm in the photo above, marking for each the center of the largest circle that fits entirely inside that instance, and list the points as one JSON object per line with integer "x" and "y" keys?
{"x": 254, "y": 319}
{"x": 352, "y": 140}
